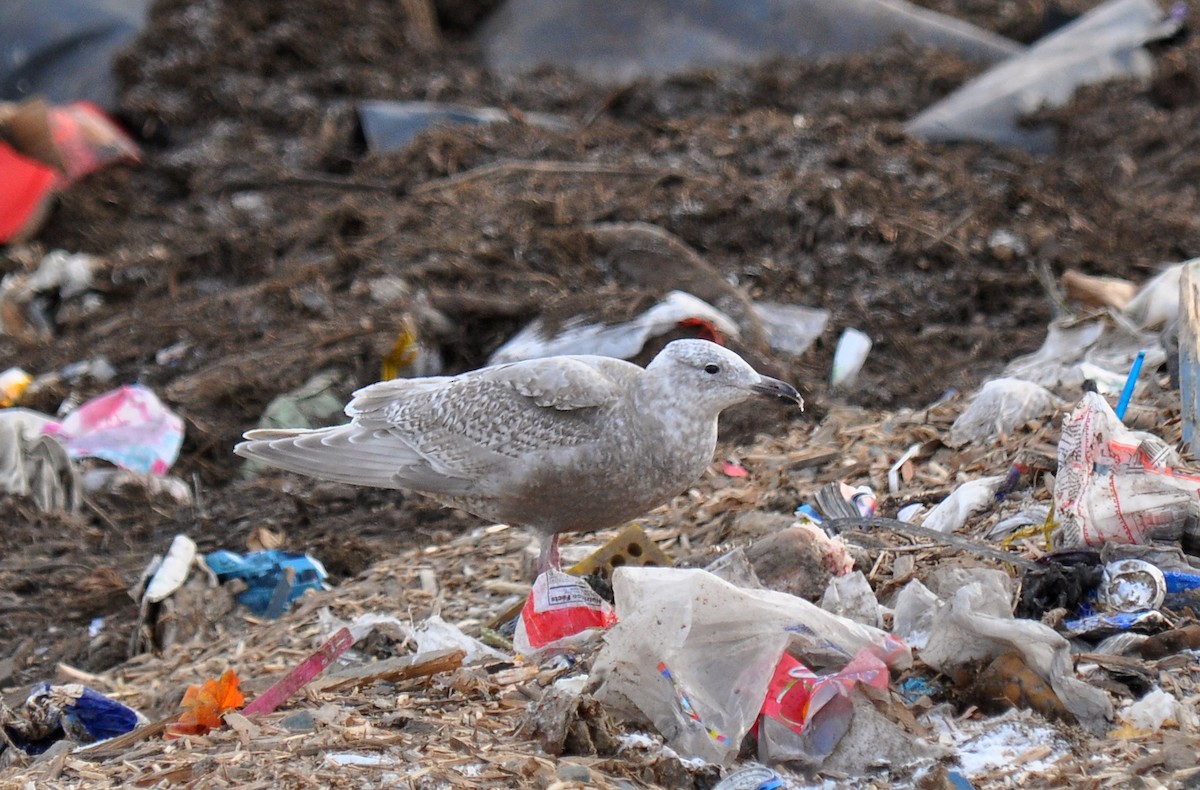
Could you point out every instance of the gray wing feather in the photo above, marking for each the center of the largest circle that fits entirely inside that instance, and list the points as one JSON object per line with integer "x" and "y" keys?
{"x": 449, "y": 435}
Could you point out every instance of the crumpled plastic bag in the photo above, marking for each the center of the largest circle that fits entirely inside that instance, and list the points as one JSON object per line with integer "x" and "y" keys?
{"x": 622, "y": 340}
{"x": 1114, "y": 484}
{"x": 1156, "y": 303}
{"x": 35, "y": 465}
{"x": 693, "y": 655}
{"x": 128, "y": 426}
{"x": 1000, "y": 406}
{"x": 1103, "y": 44}
{"x": 971, "y": 620}
{"x": 1100, "y": 347}
{"x": 965, "y": 501}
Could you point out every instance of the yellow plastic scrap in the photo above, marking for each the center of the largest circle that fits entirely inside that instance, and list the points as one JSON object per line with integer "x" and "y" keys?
{"x": 404, "y": 352}
{"x": 13, "y": 383}
{"x": 631, "y": 547}
{"x": 1045, "y": 529}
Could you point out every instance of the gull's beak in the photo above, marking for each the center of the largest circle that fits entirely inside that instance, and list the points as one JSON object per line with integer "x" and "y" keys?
{"x": 774, "y": 388}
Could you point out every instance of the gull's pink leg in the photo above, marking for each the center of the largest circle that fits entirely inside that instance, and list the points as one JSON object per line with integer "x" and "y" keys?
{"x": 549, "y": 556}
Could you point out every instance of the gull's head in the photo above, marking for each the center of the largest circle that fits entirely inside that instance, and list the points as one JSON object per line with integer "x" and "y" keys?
{"x": 713, "y": 376}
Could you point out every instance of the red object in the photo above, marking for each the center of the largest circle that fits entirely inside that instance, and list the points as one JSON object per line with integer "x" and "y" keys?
{"x": 734, "y": 469}
{"x": 561, "y": 605}
{"x": 796, "y": 695}
{"x": 24, "y": 190}
{"x": 707, "y": 331}
{"x": 305, "y": 671}
{"x": 86, "y": 139}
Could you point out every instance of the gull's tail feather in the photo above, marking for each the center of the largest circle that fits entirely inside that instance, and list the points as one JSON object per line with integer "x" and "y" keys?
{"x": 342, "y": 454}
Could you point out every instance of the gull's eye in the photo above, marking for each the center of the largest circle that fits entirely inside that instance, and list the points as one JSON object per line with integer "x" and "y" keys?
{"x": 712, "y": 370}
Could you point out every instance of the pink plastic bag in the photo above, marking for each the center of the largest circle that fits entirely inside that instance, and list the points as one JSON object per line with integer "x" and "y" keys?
{"x": 129, "y": 427}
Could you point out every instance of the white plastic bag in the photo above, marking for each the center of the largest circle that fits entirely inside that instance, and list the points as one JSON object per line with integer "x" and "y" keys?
{"x": 693, "y": 655}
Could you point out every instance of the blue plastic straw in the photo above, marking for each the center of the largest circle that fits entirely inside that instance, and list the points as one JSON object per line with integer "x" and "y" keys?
{"x": 1127, "y": 393}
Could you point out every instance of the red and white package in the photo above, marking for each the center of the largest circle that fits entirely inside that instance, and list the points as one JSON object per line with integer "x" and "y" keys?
{"x": 804, "y": 714}
{"x": 560, "y": 612}
{"x": 1114, "y": 485}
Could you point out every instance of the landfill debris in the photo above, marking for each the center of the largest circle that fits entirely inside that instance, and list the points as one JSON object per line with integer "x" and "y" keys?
{"x": 173, "y": 604}
{"x": 799, "y": 560}
{"x": 13, "y": 383}
{"x": 172, "y": 571}
{"x": 27, "y": 195}
{"x": 1009, "y": 682}
{"x": 431, "y": 635}
{"x": 694, "y": 655}
{"x": 75, "y": 138}
{"x": 251, "y": 211}
{"x": 849, "y": 357}
{"x": 567, "y": 719}
{"x": 998, "y": 408}
{"x": 164, "y": 488}
{"x": 1103, "y": 44}
{"x": 274, "y": 578}
{"x": 300, "y": 675}
{"x": 734, "y": 567}
{"x": 1153, "y": 711}
{"x": 391, "y": 670}
{"x": 434, "y": 634}
{"x": 204, "y": 704}
{"x": 1097, "y": 291}
{"x": 805, "y": 715}
{"x": 1097, "y": 626}
{"x": 1155, "y": 305}
{"x": 751, "y": 777}
{"x": 63, "y": 49}
{"x": 631, "y": 546}
{"x": 1169, "y": 642}
{"x": 561, "y": 612}
{"x": 1130, "y": 383}
{"x": 71, "y": 711}
{"x": 655, "y": 39}
{"x": 1132, "y": 586}
{"x": 410, "y": 357}
{"x": 972, "y": 620}
{"x": 968, "y": 499}
{"x": 987, "y": 747}
{"x": 623, "y": 340}
{"x": 791, "y": 329}
{"x": 1189, "y": 355}
{"x": 57, "y": 277}
{"x": 51, "y": 147}
{"x": 1113, "y": 486}
{"x": 851, "y": 596}
{"x": 841, "y": 500}
{"x": 391, "y": 125}
{"x": 128, "y": 426}
{"x": 1094, "y": 347}
{"x": 35, "y": 465}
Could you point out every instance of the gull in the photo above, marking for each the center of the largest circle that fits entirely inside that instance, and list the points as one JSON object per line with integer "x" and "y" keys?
{"x": 558, "y": 444}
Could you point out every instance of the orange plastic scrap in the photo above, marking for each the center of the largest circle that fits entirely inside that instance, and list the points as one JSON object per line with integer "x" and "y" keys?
{"x": 203, "y": 705}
